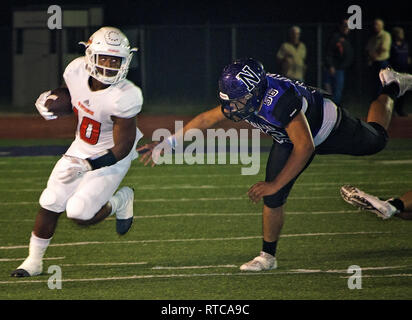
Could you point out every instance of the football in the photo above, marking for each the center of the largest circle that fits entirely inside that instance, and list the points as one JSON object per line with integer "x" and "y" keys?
{"x": 59, "y": 102}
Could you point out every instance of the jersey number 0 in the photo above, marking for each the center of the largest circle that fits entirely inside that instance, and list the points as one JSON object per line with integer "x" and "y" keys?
{"x": 90, "y": 130}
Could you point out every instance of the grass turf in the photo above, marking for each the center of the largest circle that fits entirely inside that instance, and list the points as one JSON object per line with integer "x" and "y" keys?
{"x": 194, "y": 226}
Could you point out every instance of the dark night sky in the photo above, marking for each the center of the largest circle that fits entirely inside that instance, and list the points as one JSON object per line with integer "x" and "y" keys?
{"x": 175, "y": 12}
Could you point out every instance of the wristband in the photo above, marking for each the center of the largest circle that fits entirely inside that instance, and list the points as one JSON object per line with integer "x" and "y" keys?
{"x": 172, "y": 141}
{"x": 99, "y": 161}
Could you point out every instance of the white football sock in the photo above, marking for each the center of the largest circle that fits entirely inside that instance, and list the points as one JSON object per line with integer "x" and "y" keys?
{"x": 114, "y": 202}
{"x": 37, "y": 247}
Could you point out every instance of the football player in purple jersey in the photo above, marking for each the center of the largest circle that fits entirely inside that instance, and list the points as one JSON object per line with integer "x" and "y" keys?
{"x": 302, "y": 123}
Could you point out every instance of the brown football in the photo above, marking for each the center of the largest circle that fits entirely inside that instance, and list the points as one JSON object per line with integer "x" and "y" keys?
{"x": 59, "y": 102}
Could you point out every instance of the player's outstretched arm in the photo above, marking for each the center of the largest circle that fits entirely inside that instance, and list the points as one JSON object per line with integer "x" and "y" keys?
{"x": 202, "y": 121}
{"x": 303, "y": 148}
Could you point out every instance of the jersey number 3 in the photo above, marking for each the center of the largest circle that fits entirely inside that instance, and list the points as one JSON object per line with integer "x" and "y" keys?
{"x": 90, "y": 130}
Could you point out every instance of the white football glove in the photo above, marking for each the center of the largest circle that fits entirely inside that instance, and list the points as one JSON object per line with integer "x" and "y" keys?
{"x": 77, "y": 169}
{"x": 41, "y": 100}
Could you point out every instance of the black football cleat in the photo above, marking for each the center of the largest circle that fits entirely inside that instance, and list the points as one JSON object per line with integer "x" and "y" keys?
{"x": 123, "y": 225}
{"x": 20, "y": 273}
{"x": 124, "y": 214}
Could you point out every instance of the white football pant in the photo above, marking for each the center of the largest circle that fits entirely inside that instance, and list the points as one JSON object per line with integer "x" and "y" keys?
{"x": 86, "y": 195}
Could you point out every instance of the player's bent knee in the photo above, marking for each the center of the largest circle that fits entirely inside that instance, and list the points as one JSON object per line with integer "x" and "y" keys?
{"x": 49, "y": 200}
{"x": 276, "y": 210}
{"x": 381, "y": 145}
{"x": 77, "y": 209}
{"x": 274, "y": 201}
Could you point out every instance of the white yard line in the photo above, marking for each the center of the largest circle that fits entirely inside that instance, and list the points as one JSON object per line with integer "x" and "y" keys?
{"x": 243, "y": 274}
{"x": 194, "y": 240}
{"x": 396, "y": 275}
{"x": 345, "y": 270}
{"x": 22, "y": 259}
{"x": 18, "y": 203}
{"x": 48, "y": 169}
{"x": 313, "y": 185}
{"x": 392, "y": 162}
{"x": 318, "y": 162}
{"x": 183, "y": 199}
{"x": 205, "y": 214}
{"x": 102, "y": 264}
{"x": 201, "y": 175}
{"x": 195, "y": 267}
{"x": 148, "y": 276}
{"x": 235, "y": 214}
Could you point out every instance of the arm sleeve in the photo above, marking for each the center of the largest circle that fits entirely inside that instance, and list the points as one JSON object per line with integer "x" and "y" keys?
{"x": 288, "y": 106}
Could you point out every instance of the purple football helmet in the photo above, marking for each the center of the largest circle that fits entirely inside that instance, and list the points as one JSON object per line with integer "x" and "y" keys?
{"x": 242, "y": 86}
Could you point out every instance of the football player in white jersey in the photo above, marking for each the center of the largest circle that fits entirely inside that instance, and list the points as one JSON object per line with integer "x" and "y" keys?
{"x": 83, "y": 182}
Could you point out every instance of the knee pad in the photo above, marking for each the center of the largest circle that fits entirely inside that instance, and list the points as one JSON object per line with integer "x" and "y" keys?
{"x": 80, "y": 208}
{"x": 75, "y": 208}
{"x": 49, "y": 200}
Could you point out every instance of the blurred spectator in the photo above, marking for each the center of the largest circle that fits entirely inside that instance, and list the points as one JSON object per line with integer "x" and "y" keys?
{"x": 399, "y": 61}
{"x": 339, "y": 56}
{"x": 378, "y": 50}
{"x": 291, "y": 56}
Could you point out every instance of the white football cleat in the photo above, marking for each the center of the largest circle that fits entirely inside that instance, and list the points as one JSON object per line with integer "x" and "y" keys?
{"x": 362, "y": 200}
{"x": 264, "y": 261}
{"x": 124, "y": 212}
{"x": 404, "y": 80}
{"x": 29, "y": 268}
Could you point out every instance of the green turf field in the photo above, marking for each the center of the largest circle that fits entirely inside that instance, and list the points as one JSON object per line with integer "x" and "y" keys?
{"x": 194, "y": 226}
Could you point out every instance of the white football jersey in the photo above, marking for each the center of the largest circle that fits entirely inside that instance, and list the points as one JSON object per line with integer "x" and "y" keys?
{"x": 94, "y": 109}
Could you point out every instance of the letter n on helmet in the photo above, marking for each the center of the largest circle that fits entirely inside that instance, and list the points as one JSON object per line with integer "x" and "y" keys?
{"x": 242, "y": 87}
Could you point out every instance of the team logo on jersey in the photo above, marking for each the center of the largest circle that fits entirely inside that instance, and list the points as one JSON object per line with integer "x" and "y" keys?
{"x": 248, "y": 77}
